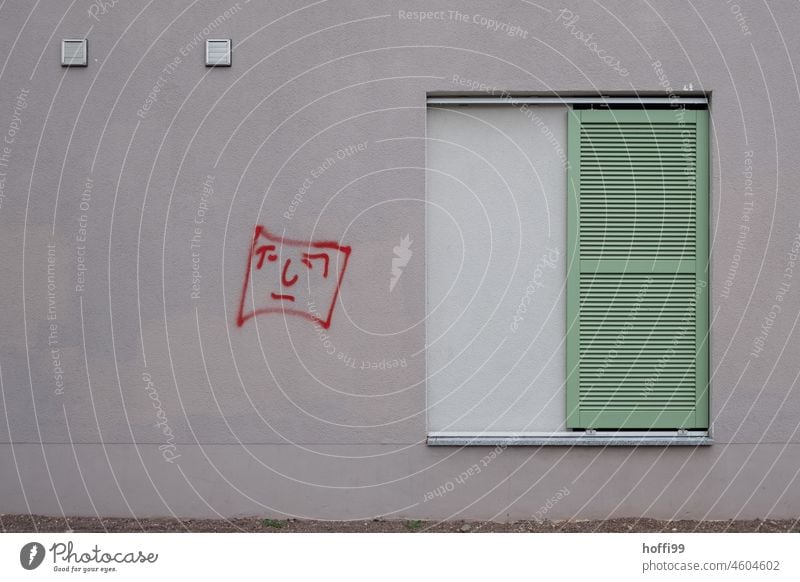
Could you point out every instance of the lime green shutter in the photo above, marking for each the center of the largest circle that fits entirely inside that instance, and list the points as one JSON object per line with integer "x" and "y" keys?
{"x": 637, "y": 295}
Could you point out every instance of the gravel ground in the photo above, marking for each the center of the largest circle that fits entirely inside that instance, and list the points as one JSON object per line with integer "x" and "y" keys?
{"x": 39, "y": 523}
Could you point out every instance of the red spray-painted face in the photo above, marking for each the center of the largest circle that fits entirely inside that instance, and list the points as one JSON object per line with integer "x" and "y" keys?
{"x": 293, "y": 277}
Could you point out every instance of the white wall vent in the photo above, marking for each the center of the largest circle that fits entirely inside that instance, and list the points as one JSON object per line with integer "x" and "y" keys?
{"x": 218, "y": 52}
{"x": 74, "y": 52}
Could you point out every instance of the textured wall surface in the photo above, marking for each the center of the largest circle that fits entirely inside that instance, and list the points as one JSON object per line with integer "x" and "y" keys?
{"x": 129, "y": 194}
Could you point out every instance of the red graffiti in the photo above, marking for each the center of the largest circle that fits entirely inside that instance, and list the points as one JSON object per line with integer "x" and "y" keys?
{"x": 292, "y": 277}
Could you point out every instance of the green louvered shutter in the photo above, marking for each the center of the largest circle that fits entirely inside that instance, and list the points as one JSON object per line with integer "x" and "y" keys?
{"x": 637, "y": 304}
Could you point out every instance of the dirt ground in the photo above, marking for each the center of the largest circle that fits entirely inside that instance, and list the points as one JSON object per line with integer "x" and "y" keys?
{"x": 38, "y": 523}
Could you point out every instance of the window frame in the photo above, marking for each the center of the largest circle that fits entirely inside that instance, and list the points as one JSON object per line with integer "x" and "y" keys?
{"x": 590, "y": 437}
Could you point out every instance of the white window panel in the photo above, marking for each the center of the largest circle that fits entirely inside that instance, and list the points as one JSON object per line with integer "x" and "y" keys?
{"x": 496, "y": 193}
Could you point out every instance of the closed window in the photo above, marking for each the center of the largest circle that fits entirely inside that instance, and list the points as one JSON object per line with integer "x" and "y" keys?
{"x": 567, "y": 253}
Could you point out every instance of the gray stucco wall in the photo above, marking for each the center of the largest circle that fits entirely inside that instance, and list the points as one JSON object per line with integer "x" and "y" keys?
{"x": 262, "y": 419}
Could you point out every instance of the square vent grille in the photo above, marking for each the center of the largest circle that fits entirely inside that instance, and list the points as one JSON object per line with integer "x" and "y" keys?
{"x": 74, "y": 52}
{"x": 218, "y": 52}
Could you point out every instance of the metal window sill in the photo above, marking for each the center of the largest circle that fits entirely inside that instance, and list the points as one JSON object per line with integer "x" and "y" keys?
{"x": 573, "y": 439}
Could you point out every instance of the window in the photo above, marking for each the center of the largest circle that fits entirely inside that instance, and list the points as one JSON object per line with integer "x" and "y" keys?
{"x": 567, "y": 254}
